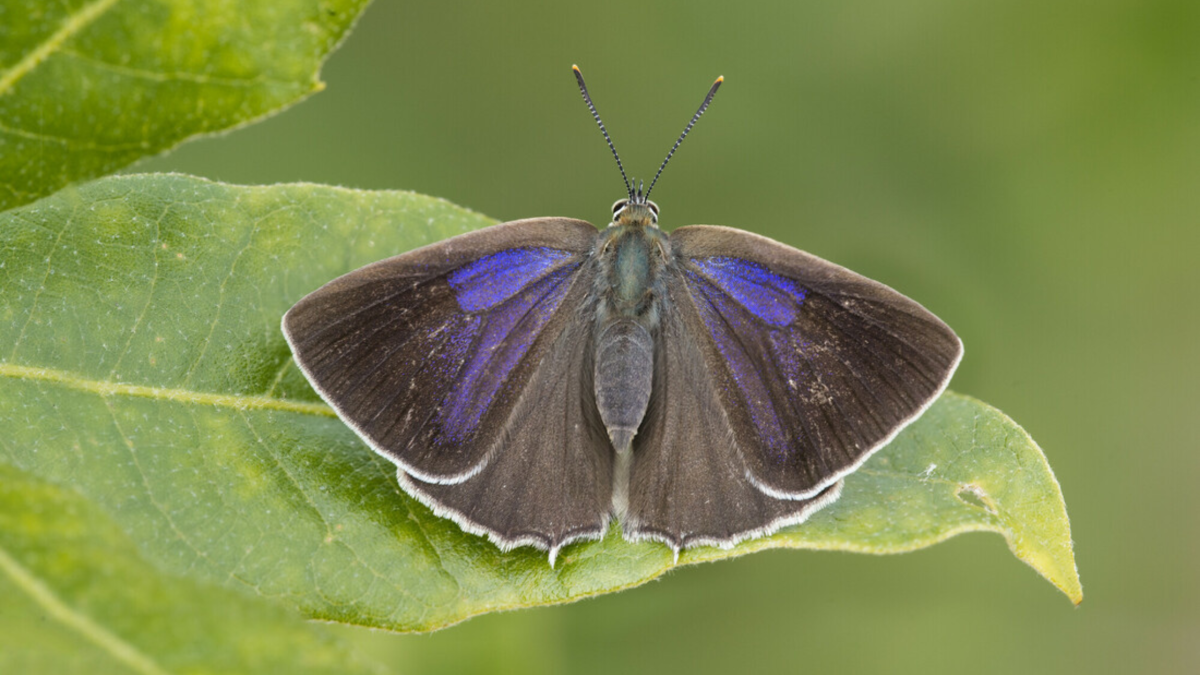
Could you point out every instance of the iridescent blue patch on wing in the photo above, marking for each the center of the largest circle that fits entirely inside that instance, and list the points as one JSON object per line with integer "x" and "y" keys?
{"x": 529, "y": 287}
{"x": 735, "y": 297}
{"x": 489, "y": 281}
{"x": 767, "y": 295}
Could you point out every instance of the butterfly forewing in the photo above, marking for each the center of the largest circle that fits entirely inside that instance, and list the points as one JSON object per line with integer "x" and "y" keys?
{"x": 426, "y": 354}
{"x": 815, "y": 366}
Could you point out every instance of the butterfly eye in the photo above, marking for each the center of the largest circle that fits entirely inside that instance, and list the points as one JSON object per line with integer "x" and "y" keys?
{"x": 619, "y": 205}
{"x": 653, "y": 209}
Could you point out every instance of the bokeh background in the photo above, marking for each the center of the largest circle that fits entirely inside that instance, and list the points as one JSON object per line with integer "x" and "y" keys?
{"x": 1028, "y": 170}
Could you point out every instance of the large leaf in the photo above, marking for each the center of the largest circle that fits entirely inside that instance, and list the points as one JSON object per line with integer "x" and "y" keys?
{"x": 77, "y": 598}
{"x": 88, "y": 86}
{"x": 142, "y": 363}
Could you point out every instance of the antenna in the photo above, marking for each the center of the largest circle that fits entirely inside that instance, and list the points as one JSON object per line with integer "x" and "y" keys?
{"x": 703, "y": 106}
{"x": 588, "y": 99}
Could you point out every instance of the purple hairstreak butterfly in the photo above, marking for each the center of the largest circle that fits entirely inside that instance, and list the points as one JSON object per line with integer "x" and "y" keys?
{"x": 537, "y": 379}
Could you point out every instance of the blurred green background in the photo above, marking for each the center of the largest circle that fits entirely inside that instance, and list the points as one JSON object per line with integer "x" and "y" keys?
{"x": 1030, "y": 171}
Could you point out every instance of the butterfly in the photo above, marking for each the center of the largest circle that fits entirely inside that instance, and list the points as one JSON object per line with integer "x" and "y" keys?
{"x": 536, "y": 379}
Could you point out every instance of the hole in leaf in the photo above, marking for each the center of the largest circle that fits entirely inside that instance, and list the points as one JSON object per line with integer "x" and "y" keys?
{"x": 975, "y": 496}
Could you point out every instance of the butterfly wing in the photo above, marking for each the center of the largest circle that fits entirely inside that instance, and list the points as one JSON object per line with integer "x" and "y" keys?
{"x": 816, "y": 367}
{"x": 688, "y": 484}
{"x": 550, "y": 481}
{"x": 435, "y": 357}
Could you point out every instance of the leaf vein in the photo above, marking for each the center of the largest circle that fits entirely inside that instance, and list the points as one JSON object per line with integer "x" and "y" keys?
{"x": 42, "y": 286}
{"x": 73, "y": 143}
{"x": 137, "y": 463}
{"x": 197, "y": 78}
{"x": 76, "y": 620}
{"x": 221, "y": 295}
{"x": 108, "y": 389}
{"x": 287, "y": 364}
{"x": 112, "y": 374}
{"x": 73, "y": 25}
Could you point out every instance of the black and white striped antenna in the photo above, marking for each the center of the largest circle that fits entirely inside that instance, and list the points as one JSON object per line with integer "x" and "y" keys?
{"x": 703, "y": 106}
{"x": 588, "y": 99}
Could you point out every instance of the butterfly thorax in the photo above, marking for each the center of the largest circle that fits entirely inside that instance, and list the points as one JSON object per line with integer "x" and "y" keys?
{"x": 631, "y": 260}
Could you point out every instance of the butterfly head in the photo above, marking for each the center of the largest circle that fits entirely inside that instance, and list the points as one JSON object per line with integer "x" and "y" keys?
{"x": 636, "y": 209}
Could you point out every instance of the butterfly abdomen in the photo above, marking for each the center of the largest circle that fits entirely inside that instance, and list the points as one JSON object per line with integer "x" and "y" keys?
{"x": 623, "y": 377}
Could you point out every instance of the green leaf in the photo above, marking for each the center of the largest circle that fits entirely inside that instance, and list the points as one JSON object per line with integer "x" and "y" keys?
{"x": 147, "y": 370}
{"x": 89, "y": 86}
{"x": 78, "y": 598}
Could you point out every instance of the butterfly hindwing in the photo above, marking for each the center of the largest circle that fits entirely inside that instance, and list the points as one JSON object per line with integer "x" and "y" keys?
{"x": 688, "y": 484}
{"x": 815, "y": 366}
{"x": 549, "y": 480}
{"x": 427, "y": 354}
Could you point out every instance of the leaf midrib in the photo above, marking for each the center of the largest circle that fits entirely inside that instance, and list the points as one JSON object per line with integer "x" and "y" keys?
{"x": 74, "y": 23}
{"x": 104, "y": 388}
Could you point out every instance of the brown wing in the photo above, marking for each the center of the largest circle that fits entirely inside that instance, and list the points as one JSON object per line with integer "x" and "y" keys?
{"x": 688, "y": 483}
{"x": 426, "y": 354}
{"x": 549, "y": 480}
{"x": 816, "y": 367}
